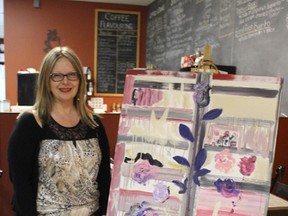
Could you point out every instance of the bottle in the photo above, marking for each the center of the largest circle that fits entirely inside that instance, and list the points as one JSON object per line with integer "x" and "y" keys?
{"x": 90, "y": 88}
{"x": 114, "y": 107}
{"x": 88, "y": 74}
{"x": 118, "y": 108}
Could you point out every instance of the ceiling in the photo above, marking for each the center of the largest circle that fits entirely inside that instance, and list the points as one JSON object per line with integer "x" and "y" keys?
{"x": 130, "y": 2}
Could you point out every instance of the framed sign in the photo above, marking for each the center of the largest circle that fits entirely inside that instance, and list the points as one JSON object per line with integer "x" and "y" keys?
{"x": 116, "y": 49}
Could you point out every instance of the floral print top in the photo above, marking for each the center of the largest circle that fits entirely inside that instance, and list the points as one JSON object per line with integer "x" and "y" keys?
{"x": 68, "y": 168}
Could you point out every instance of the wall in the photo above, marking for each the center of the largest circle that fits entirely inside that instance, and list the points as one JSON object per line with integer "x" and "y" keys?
{"x": 249, "y": 34}
{"x": 26, "y": 30}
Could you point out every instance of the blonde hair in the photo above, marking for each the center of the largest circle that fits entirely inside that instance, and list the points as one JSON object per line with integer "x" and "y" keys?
{"x": 44, "y": 98}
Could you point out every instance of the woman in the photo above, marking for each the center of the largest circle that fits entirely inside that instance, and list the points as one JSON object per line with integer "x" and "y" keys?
{"x": 58, "y": 151}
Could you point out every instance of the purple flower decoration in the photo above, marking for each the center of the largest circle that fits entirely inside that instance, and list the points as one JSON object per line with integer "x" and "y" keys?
{"x": 227, "y": 188}
{"x": 161, "y": 193}
{"x": 201, "y": 94}
{"x": 143, "y": 171}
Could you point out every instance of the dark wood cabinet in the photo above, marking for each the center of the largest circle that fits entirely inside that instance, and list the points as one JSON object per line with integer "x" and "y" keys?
{"x": 281, "y": 150}
{"x": 111, "y": 124}
{"x": 7, "y": 121}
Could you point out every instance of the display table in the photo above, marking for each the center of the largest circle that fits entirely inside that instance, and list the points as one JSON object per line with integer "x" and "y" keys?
{"x": 277, "y": 203}
{"x": 277, "y": 206}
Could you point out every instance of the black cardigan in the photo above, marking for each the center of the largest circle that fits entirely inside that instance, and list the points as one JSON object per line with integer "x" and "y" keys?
{"x": 23, "y": 150}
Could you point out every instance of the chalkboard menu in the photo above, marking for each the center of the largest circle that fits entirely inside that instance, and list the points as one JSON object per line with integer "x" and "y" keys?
{"x": 116, "y": 50}
{"x": 249, "y": 34}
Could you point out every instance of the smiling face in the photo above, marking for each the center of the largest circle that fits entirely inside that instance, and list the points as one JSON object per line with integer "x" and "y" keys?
{"x": 65, "y": 90}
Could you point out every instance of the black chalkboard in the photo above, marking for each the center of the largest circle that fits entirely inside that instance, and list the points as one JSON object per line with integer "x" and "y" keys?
{"x": 116, "y": 50}
{"x": 251, "y": 35}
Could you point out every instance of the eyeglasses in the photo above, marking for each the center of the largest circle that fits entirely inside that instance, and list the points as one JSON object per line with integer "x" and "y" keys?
{"x": 57, "y": 77}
